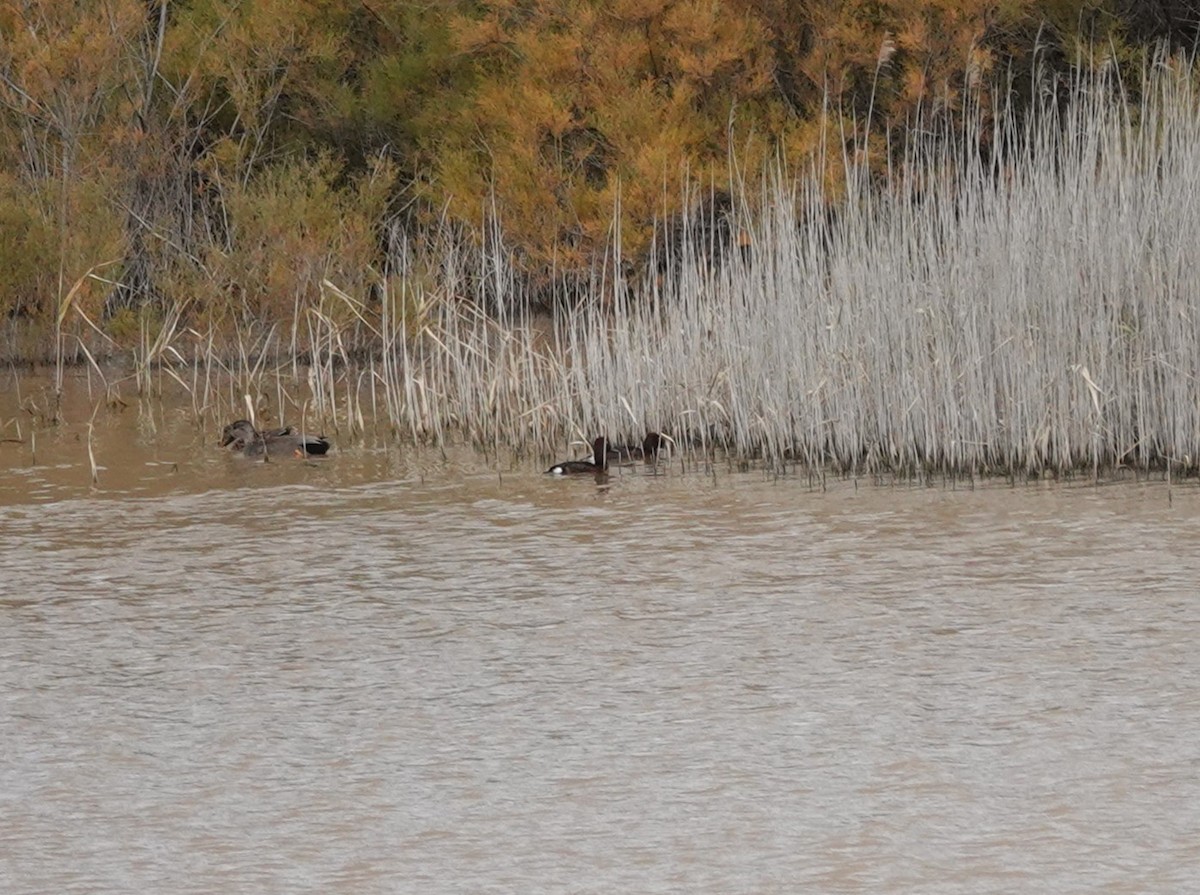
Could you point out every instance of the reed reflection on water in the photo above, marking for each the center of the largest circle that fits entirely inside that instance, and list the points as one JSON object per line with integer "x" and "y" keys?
{"x": 382, "y": 672}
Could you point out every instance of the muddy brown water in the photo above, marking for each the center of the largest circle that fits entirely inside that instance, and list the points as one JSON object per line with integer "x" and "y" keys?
{"x": 390, "y": 671}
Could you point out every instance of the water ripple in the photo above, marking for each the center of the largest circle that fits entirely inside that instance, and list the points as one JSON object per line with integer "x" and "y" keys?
{"x": 657, "y": 686}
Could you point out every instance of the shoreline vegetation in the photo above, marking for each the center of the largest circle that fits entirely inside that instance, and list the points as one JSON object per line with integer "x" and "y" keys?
{"x": 1003, "y": 287}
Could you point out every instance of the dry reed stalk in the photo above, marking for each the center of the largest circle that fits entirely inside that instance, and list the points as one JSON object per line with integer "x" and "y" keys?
{"x": 95, "y": 470}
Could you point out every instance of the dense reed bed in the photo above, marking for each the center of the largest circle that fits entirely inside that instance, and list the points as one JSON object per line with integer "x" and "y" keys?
{"x": 1012, "y": 298}
{"x": 1015, "y": 300}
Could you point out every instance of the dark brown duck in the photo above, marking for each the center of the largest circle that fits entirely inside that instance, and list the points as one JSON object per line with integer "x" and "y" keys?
{"x": 647, "y": 450}
{"x": 597, "y": 465}
{"x": 241, "y": 436}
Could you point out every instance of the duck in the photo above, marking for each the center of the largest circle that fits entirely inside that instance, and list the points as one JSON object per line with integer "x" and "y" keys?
{"x": 597, "y": 466}
{"x": 648, "y": 450}
{"x": 241, "y": 435}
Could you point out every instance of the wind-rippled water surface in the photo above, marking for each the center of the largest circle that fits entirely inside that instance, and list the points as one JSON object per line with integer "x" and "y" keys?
{"x": 350, "y": 676}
